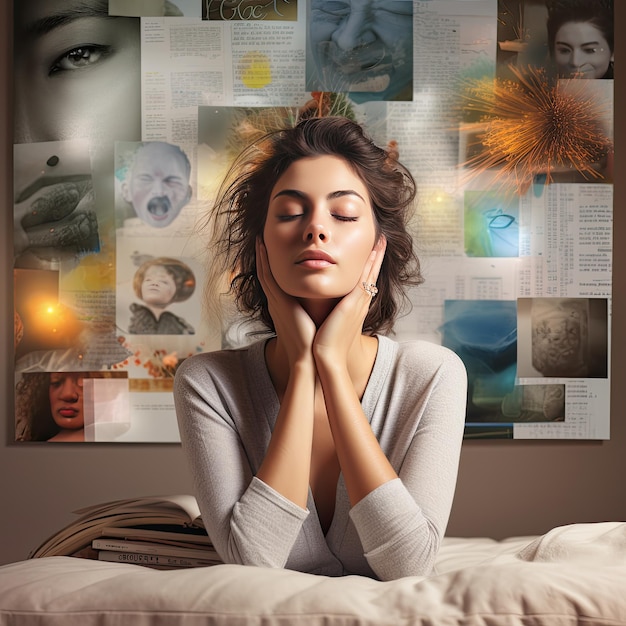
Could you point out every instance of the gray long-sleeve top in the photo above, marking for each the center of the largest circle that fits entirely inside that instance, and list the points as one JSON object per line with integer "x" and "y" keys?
{"x": 415, "y": 403}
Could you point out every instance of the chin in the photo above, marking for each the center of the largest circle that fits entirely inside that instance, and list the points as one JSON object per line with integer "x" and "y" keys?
{"x": 320, "y": 294}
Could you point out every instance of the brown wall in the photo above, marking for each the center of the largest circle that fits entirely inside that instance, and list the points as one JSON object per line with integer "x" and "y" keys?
{"x": 505, "y": 487}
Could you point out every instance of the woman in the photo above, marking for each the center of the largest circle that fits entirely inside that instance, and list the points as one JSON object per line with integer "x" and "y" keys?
{"x": 50, "y": 406}
{"x": 327, "y": 448}
{"x": 580, "y": 38}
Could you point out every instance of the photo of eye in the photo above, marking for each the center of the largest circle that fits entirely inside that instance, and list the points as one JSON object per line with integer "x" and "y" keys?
{"x": 491, "y": 223}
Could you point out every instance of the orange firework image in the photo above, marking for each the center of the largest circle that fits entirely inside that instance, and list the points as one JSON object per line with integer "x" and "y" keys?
{"x": 536, "y": 126}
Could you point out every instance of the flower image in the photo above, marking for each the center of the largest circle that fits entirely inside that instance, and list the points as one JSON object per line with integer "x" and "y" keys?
{"x": 158, "y": 363}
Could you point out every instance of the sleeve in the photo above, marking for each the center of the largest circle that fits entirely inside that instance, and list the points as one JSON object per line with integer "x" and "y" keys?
{"x": 141, "y": 320}
{"x": 402, "y": 522}
{"x": 248, "y": 522}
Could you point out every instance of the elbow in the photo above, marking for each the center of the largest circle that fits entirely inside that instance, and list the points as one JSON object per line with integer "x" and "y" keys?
{"x": 414, "y": 554}
{"x": 244, "y": 549}
{"x": 234, "y": 555}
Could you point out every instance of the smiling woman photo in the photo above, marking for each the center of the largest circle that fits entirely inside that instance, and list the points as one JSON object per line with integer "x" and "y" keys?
{"x": 580, "y": 38}
{"x": 325, "y": 447}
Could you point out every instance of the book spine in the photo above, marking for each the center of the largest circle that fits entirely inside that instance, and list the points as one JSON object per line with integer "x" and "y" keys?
{"x": 151, "y": 559}
{"x": 147, "y": 548}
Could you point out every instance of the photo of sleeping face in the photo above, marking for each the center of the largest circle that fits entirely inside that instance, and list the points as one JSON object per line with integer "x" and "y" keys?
{"x": 157, "y": 183}
{"x": 364, "y": 47}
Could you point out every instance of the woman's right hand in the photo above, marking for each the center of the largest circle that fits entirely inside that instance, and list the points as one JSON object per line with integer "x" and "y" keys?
{"x": 292, "y": 323}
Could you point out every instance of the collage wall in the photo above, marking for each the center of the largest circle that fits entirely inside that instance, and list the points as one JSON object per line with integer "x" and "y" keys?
{"x": 129, "y": 112}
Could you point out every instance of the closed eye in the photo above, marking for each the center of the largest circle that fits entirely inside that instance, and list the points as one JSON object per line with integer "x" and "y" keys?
{"x": 289, "y": 218}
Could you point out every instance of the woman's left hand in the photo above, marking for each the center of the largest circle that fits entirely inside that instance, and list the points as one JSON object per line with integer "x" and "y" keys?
{"x": 344, "y": 325}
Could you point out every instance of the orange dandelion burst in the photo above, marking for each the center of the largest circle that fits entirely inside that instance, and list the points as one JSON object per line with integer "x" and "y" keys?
{"x": 534, "y": 126}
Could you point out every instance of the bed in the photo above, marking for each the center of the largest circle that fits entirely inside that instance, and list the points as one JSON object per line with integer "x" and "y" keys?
{"x": 574, "y": 574}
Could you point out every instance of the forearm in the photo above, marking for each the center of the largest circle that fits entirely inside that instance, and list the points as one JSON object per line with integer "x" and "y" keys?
{"x": 363, "y": 463}
{"x": 287, "y": 463}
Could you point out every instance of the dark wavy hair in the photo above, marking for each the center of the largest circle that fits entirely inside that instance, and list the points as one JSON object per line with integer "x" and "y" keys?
{"x": 239, "y": 213}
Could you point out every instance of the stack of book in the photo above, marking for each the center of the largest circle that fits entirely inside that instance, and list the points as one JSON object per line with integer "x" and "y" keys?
{"x": 155, "y": 547}
{"x": 162, "y": 532}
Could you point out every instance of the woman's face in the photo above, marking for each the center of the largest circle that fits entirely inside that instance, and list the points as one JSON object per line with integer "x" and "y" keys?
{"x": 320, "y": 228}
{"x": 77, "y": 72}
{"x": 66, "y": 400}
{"x": 158, "y": 287}
{"x": 581, "y": 51}
{"x": 363, "y": 45}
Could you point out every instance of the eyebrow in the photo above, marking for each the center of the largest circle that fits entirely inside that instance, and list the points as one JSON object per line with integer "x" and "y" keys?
{"x": 569, "y": 45}
{"x": 294, "y": 193}
{"x": 60, "y": 18}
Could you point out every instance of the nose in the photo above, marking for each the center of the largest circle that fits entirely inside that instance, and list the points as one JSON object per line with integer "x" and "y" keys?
{"x": 316, "y": 232}
{"x": 576, "y": 58}
{"x": 355, "y": 30}
{"x": 70, "y": 390}
{"x": 158, "y": 188}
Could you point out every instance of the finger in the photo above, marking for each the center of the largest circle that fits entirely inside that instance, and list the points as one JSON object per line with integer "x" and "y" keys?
{"x": 379, "y": 256}
{"x": 371, "y": 270}
{"x": 270, "y": 287}
{"x": 57, "y": 202}
{"x": 264, "y": 273}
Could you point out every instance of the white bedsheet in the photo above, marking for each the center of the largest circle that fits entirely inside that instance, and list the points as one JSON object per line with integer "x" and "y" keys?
{"x": 572, "y": 575}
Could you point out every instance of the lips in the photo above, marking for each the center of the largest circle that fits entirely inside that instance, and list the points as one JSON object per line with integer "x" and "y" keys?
{"x": 68, "y": 412}
{"x": 365, "y": 68}
{"x": 317, "y": 258}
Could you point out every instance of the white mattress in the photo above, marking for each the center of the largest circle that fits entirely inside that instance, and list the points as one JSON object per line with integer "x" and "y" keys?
{"x": 573, "y": 575}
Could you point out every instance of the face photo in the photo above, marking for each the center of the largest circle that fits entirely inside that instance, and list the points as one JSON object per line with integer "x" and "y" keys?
{"x": 60, "y": 79}
{"x": 154, "y": 181}
{"x": 155, "y": 295}
{"x": 71, "y": 406}
{"x": 567, "y": 38}
{"x": 363, "y": 47}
